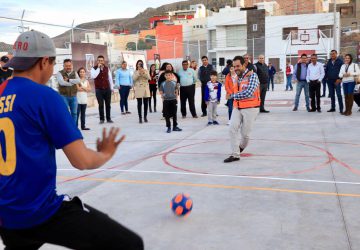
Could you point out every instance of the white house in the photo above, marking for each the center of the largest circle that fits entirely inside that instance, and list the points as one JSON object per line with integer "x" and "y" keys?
{"x": 227, "y": 34}
{"x": 287, "y": 37}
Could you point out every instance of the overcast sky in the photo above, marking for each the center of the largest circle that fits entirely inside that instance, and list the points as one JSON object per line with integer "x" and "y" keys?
{"x": 64, "y": 11}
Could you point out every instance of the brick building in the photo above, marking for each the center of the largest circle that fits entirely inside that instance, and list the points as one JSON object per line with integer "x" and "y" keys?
{"x": 293, "y": 7}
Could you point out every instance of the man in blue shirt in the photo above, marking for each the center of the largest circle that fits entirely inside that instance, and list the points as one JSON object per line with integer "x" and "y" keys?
{"x": 187, "y": 88}
{"x": 334, "y": 82}
{"x": 272, "y": 72}
{"x": 34, "y": 122}
{"x": 300, "y": 73}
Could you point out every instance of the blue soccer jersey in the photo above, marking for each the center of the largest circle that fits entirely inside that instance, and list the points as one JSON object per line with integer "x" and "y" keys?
{"x": 34, "y": 122}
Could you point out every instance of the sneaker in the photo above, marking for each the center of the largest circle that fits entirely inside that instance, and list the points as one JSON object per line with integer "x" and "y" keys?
{"x": 102, "y": 121}
{"x": 215, "y": 123}
{"x": 195, "y": 116}
{"x": 241, "y": 149}
{"x": 231, "y": 159}
{"x": 331, "y": 110}
{"x": 177, "y": 129}
{"x": 168, "y": 130}
{"x": 123, "y": 113}
{"x": 110, "y": 121}
{"x": 127, "y": 112}
{"x": 84, "y": 128}
{"x": 295, "y": 109}
{"x": 209, "y": 123}
{"x": 228, "y": 123}
{"x": 203, "y": 115}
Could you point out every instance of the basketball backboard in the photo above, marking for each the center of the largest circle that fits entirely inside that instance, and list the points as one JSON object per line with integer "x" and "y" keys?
{"x": 305, "y": 37}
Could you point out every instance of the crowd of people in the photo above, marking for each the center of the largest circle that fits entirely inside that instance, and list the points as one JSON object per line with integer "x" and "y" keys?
{"x": 42, "y": 123}
{"x": 311, "y": 76}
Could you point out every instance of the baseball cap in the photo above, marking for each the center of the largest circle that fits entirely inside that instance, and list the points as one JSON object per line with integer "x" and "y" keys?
{"x": 29, "y": 47}
{"x": 4, "y": 59}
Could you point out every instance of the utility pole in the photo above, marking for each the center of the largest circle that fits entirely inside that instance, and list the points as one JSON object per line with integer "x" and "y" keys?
{"x": 72, "y": 32}
{"x": 335, "y": 27}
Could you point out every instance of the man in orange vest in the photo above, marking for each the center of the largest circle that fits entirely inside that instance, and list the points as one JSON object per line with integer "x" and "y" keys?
{"x": 245, "y": 109}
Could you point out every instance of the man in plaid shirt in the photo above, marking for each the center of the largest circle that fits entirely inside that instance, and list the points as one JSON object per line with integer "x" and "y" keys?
{"x": 245, "y": 109}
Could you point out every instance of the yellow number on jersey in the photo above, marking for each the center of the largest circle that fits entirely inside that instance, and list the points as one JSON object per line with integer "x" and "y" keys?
{"x": 7, "y": 166}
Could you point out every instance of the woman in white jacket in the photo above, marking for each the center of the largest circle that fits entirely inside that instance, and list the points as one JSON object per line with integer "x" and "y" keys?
{"x": 348, "y": 73}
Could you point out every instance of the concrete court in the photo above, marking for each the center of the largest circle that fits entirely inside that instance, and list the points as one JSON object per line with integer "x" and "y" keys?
{"x": 296, "y": 186}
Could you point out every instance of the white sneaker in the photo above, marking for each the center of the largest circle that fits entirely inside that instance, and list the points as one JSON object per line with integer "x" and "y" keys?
{"x": 228, "y": 123}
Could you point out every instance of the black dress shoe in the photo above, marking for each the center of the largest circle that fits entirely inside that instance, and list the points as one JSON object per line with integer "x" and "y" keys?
{"x": 203, "y": 115}
{"x": 241, "y": 149}
{"x": 231, "y": 159}
{"x": 312, "y": 110}
{"x": 331, "y": 110}
{"x": 177, "y": 129}
{"x": 319, "y": 110}
{"x": 110, "y": 121}
{"x": 145, "y": 119}
{"x": 295, "y": 109}
{"x": 168, "y": 130}
{"x": 85, "y": 128}
{"x": 195, "y": 116}
{"x": 264, "y": 111}
{"x": 102, "y": 122}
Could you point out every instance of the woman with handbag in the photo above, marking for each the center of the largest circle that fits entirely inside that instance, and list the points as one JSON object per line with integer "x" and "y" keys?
{"x": 141, "y": 79}
{"x": 348, "y": 74}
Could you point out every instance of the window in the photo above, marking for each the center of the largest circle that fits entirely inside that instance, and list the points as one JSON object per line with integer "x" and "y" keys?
{"x": 212, "y": 41}
{"x": 327, "y": 30}
{"x": 236, "y": 36}
{"x": 292, "y": 30}
{"x": 255, "y": 27}
{"x": 97, "y": 35}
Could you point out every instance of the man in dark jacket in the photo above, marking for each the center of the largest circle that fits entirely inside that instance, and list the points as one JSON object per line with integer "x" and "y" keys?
{"x": 204, "y": 77}
{"x": 334, "y": 82}
{"x": 263, "y": 74}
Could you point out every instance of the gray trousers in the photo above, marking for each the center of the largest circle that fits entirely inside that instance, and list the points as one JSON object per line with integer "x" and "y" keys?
{"x": 241, "y": 123}
{"x": 212, "y": 111}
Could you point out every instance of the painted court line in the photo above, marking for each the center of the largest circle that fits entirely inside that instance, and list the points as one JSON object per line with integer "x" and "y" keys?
{"x": 222, "y": 175}
{"x": 215, "y": 186}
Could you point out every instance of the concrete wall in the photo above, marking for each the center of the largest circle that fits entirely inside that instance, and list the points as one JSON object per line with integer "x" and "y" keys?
{"x": 292, "y": 7}
{"x": 256, "y": 46}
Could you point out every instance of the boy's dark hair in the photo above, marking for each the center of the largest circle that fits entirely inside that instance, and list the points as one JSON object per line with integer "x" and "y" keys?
{"x": 168, "y": 72}
{"x": 334, "y": 50}
{"x": 67, "y": 60}
{"x": 101, "y": 56}
{"x": 204, "y": 57}
{"x": 303, "y": 55}
{"x": 213, "y": 73}
{"x": 185, "y": 61}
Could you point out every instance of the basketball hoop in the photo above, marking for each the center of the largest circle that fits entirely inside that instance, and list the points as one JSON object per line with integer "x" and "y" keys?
{"x": 305, "y": 37}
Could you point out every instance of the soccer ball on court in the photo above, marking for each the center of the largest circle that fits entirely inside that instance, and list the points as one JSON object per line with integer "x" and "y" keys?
{"x": 181, "y": 204}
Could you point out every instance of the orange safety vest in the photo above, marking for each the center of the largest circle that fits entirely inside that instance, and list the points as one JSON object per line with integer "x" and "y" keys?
{"x": 252, "y": 102}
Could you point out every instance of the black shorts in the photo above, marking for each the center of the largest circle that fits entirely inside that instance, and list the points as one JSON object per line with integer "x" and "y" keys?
{"x": 77, "y": 226}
